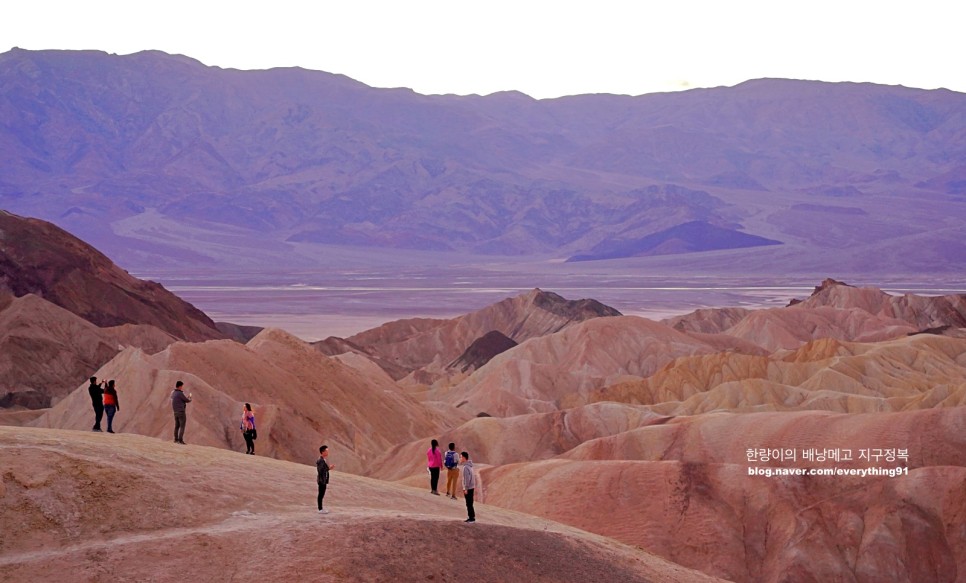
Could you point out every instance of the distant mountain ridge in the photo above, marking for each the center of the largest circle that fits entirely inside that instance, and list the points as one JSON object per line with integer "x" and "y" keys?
{"x": 157, "y": 158}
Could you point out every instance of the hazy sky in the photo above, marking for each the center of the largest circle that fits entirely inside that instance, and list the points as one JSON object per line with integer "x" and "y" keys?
{"x": 542, "y": 48}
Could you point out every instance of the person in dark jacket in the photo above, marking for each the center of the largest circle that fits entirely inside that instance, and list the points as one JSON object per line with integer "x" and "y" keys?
{"x": 111, "y": 404}
{"x": 179, "y": 402}
{"x": 97, "y": 401}
{"x": 323, "y": 467}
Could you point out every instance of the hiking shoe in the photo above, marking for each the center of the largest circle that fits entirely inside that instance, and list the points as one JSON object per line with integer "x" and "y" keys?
{"x": 470, "y": 520}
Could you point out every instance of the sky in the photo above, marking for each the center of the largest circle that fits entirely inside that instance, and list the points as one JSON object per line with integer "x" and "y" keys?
{"x": 542, "y": 48}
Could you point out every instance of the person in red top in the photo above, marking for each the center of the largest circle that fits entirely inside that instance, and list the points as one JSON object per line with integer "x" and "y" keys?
{"x": 111, "y": 405}
{"x": 434, "y": 461}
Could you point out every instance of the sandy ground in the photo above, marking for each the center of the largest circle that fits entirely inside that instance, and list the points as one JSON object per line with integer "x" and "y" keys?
{"x": 82, "y": 506}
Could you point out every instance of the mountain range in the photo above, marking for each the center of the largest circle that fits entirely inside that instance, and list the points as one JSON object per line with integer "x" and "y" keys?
{"x": 161, "y": 161}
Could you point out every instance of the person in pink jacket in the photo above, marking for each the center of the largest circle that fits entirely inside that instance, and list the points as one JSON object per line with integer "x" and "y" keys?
{"x": 434, "y": 461}
{"x": 247, "y": 427}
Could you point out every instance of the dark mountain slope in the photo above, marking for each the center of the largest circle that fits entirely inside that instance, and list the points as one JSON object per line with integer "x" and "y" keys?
{"x": 39, "y": 258}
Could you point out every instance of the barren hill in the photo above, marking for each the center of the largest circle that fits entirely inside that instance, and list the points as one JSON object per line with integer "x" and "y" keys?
{"x": 434, "y": 344}
{"x": 46, "y": 351}
{"x": 128, "y": 507}
{"x": 553, "y": 371}
{"x": 835, "y": 310}
{"x": 39, "y": 258}
{"x": 300, "y": 396}
{"x": 922, "y": 312}
{"x": 66, "y": 309}
{"x": 914, "y": 372}
{"x": 497, "y": 441}
{"x": 683, "y": 490}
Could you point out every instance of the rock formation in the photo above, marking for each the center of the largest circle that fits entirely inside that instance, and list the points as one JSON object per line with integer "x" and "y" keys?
{"x": 432, "y": 344}
{"x": 560, "y": 369}
{"x": 482, "y": 351}
{"x": 66, "y": 309}
{"x": 39, "y": 258}
{"x": 834, "y": 310}
{"x": 46, "y": 352}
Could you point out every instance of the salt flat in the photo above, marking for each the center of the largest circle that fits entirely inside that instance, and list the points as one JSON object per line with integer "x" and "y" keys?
{"x": 314, "y": 305}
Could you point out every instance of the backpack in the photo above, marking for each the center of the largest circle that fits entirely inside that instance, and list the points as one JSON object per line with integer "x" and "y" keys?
{"x": 450, "y": 460}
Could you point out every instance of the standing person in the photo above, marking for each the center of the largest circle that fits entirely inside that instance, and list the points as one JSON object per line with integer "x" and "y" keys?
{"x": 111, "y": 404}
{"x": 469, "y": 485}
{"x": 248, "y": 428}
{"x": 323, "y": 467}
{"x": 179, "y": 402}
{"x": 97, "y": 401}
{"x": 452, "y": 460}
{"x": 434, "y": 461}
